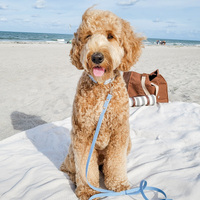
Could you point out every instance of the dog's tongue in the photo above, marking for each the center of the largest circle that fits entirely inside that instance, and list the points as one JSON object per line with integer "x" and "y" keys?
{"x": 98, "y": 71}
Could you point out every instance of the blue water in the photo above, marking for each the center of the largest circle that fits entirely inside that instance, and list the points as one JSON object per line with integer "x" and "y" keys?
{"x": 172, "y": 42}
{"x": 43, "y": 37}
{"x": 33, "y": 37}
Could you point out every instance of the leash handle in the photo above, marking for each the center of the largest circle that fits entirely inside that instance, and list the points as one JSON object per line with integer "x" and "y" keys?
{"x": 104, "y": 192}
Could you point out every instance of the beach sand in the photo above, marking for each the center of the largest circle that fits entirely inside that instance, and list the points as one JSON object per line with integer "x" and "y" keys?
{"x": 38, "y": 82}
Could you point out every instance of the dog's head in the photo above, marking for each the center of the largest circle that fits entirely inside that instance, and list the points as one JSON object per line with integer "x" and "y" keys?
{"x": 104, "y": 43}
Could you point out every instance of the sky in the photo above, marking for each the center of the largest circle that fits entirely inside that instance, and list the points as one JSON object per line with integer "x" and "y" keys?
{"x": 162, "y": 19}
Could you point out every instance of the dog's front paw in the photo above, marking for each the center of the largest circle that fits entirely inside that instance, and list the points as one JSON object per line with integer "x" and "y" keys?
{"x": 70, "y": 174}
{"x": 85, "y": 192}
{"x": 117, "y": 185}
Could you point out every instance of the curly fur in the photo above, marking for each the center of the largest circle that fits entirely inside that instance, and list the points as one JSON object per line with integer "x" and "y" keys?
{"x": 121, "y": 51}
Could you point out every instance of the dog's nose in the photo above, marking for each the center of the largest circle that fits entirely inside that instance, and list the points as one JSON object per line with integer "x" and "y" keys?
{"x": 97, "y": 58}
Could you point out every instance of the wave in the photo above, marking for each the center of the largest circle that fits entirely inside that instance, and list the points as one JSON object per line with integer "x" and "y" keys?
{"x": 41, "y": 37}
{"x": 173, "y": 42}
{"x": 52, "y": 37}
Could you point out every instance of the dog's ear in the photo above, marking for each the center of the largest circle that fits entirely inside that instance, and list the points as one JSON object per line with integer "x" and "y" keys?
{"x": 75, "y": 52}
{"x": 132, "y": 44}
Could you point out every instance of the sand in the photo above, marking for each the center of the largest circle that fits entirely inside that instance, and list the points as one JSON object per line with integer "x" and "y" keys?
{"x": 38, "y": 82}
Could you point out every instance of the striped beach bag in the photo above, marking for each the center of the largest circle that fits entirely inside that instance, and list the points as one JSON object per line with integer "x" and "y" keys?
{"x": 146, "y": 89}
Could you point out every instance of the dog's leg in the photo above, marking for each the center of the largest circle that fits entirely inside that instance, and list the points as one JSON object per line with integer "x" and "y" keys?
{"x": 114, "y": 168}
{"x": 81, "y": 152}
{"x": 129, "y": 146}
{"x": 68, "y": 166}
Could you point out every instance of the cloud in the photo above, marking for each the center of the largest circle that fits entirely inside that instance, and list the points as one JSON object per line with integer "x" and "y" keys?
{"x": 22, "y": 21}
{"x": 56, "y": 23}
{"x": 171, "y": 25}
{"x": 157, "y": 20}
{"x": 18, "y": 19}
{"x": 129, "y": 3}
{"x": 26, "y": 20}
{"x": 36, "y": 16}
{"x": 3, "y": 19}
{"x": 194, "y": 31}
{"x": 3, "y": 7}
{"x": 40, "y": 4}
{"x": 170, "y": 22}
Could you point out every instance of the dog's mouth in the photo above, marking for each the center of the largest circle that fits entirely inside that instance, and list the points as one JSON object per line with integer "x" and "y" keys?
{"x": 98, "y": 71}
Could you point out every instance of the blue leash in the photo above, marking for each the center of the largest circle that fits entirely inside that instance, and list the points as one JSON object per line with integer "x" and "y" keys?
{"x": 103, "y": 192}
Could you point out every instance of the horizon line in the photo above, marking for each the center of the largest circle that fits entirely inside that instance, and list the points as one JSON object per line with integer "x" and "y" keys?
{"x": 73, "y": 34}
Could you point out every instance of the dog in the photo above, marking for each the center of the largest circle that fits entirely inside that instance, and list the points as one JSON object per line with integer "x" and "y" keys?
{"x": 103, "y": 45}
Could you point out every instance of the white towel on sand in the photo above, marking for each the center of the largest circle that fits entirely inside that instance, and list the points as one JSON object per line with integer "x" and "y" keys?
{"x": 165, "y": 152}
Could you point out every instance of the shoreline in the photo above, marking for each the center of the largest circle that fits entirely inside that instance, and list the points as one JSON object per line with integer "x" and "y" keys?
{"x": 29, "y": 42}
{"x": 56, "y": 42}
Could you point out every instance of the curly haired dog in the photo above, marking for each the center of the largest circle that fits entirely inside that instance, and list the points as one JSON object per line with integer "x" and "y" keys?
{"x": 103, "y": 45}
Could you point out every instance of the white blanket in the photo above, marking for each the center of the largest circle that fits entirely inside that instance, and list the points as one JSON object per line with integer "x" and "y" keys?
{"x": 165, "y": 152}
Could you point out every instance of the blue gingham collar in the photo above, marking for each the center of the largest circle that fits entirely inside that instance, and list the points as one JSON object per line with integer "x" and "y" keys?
{"x": 105, "y": 83}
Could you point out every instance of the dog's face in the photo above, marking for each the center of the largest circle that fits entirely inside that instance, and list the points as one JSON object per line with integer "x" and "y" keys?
{"x": 103, "y": 43}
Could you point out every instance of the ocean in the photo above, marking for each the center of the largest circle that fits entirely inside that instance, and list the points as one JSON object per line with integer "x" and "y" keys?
{"x": 172, "y": 42}
{"x": 64, "y": 38}
{"x": 34, "y": 37}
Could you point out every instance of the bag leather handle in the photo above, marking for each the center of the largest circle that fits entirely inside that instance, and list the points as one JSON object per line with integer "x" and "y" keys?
{"x": 144, "y": 86}
{"x": 157, "y": 88}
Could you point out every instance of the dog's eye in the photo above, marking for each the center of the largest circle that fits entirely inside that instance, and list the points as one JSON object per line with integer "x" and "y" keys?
{"x": 88, "y": 36}
{"x": 110, "y": 36}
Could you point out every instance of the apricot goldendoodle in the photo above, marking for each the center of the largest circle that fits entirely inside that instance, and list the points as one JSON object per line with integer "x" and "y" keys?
{"x": 103, "y": 45}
